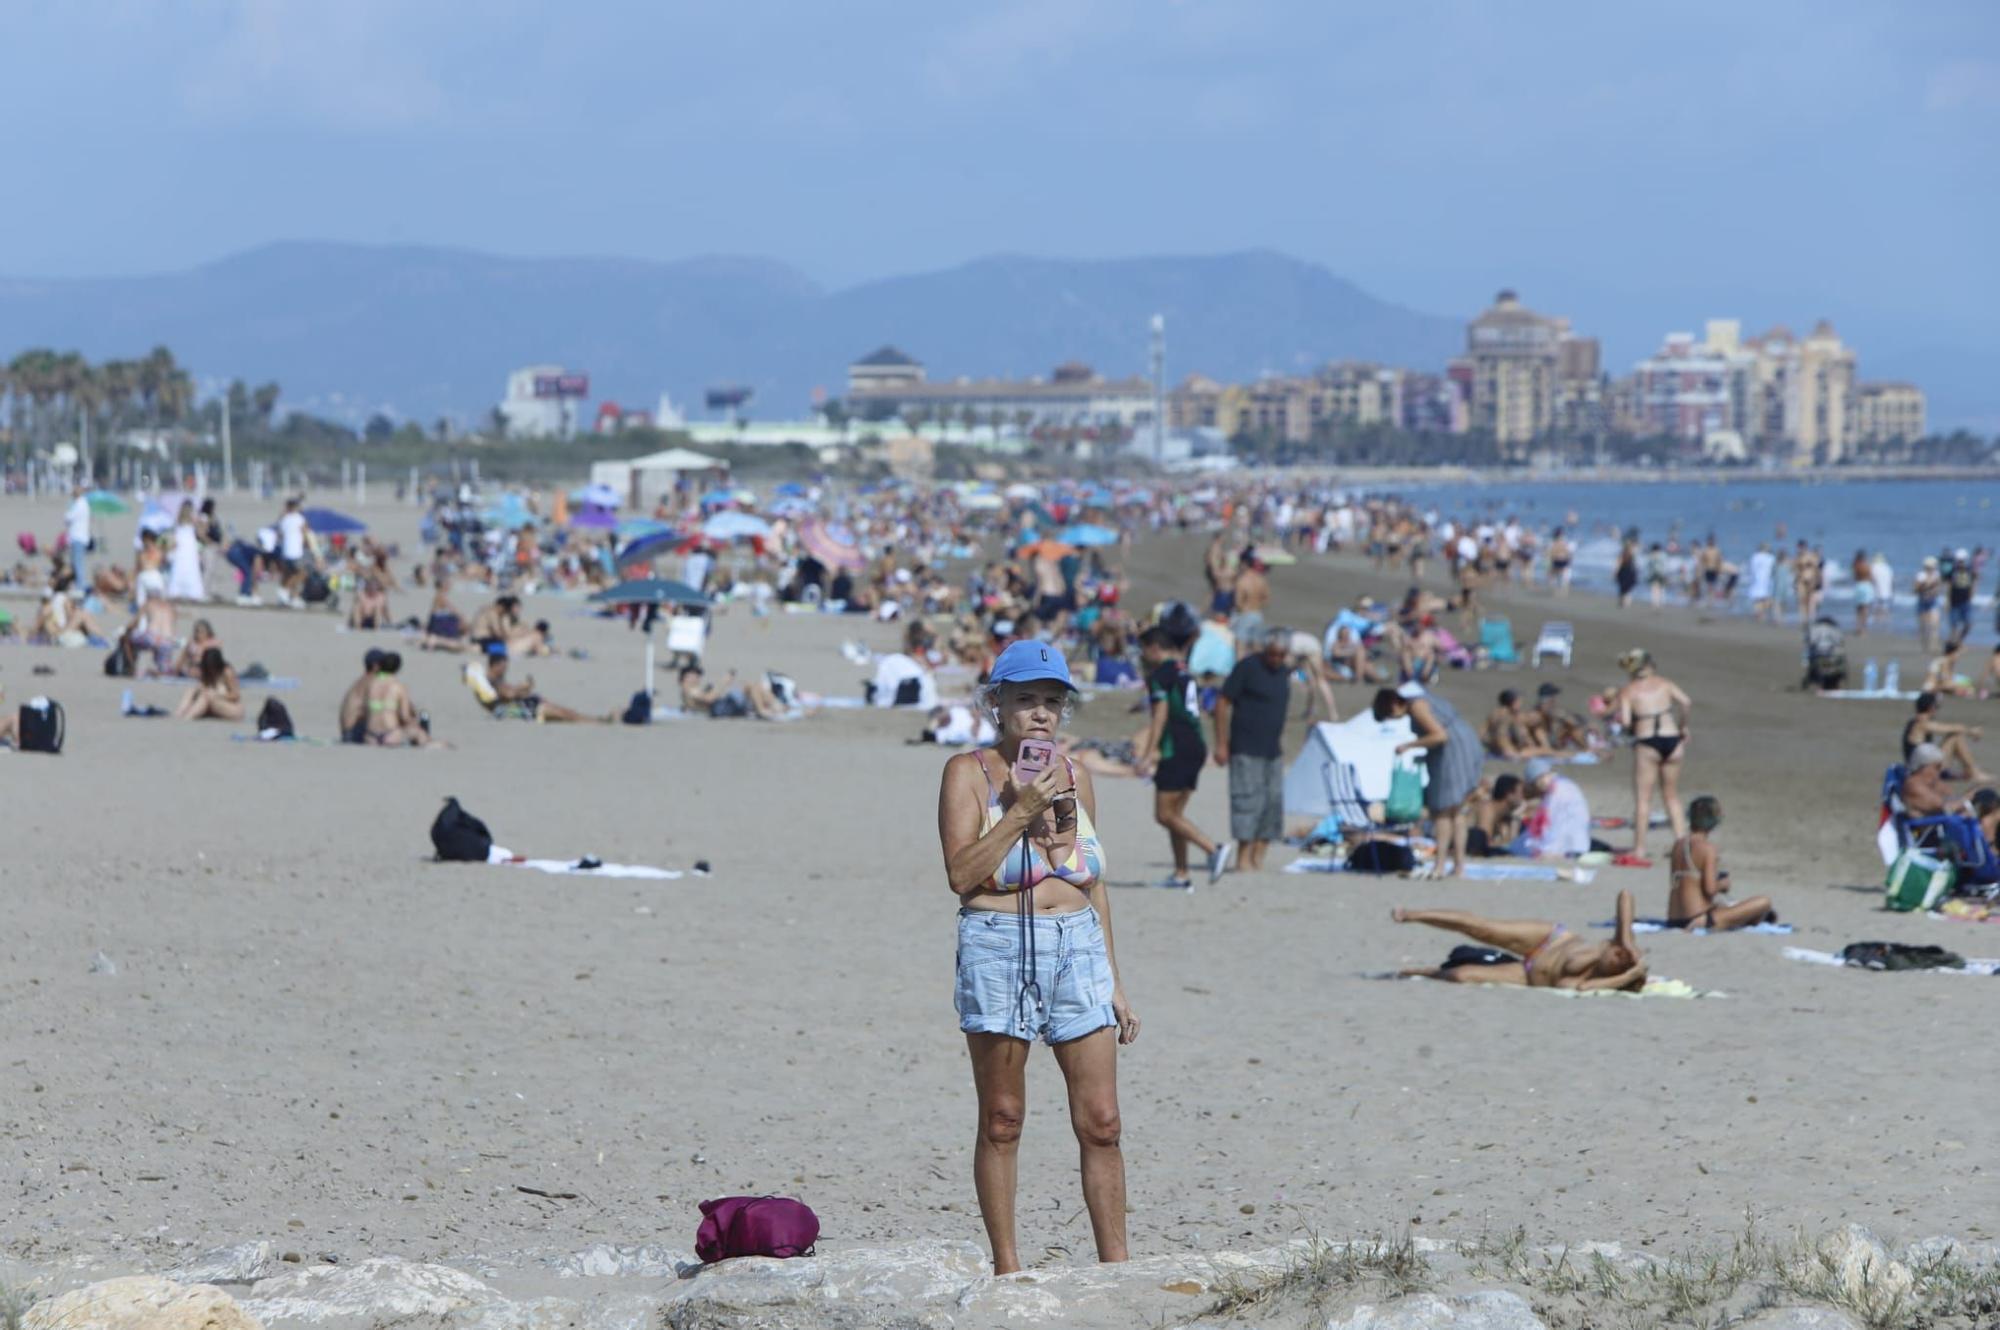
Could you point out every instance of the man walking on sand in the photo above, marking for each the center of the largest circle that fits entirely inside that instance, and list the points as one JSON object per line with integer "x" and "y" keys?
{"x": 1249, "y": 740}
{"x": 1174, "y": 754}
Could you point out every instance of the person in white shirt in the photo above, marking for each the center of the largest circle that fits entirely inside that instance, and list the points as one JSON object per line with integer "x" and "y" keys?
{"x": 1560, "y": 826}
{"x": 291, "y": 551}
{"x": 1763, "y": 583}
{"x": 76, "y": 525}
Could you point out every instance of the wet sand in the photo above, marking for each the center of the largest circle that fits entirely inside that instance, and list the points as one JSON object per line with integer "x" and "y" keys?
{"x": 317, "y": 1037}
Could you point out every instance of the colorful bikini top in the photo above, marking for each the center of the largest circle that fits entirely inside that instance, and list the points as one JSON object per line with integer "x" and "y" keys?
{"x": 1028, "y": 866}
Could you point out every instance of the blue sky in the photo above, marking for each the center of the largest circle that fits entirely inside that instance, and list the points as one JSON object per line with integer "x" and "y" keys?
{"x": 1638, "y": 167}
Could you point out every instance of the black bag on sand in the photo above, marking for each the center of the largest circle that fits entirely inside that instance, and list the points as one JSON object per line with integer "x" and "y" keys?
{"x": 1381, "y": 856}
{"x": 118, "y": 665}
{"x": 274, "y": 722}
{"x": 1900, "y": 956}
{"x": 41, "y": 725}
{"x": 459, "y": 836}
{"x": 315, "y": 589}
{"x": 640, "y": 710}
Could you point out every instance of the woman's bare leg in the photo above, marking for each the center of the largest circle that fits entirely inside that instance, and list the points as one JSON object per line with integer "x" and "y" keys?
{"x": 221, "y": 708}
{"x": 194, "y": 705}
{"x": 1170, "y": 811}
{"x": 1000, "y": 1076}
{"x": 1450, "y": 830}
{"x": 1090, "y": 1065}
{"x": 1519, "y": 936}
{"x": 555, "y": 711}
{"x": 1645, "y": 773}
{"x": 1739, "y": 915}
{"x": 1670, "y": 792}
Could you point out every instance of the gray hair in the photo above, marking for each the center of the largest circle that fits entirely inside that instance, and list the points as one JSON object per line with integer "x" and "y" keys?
{"x": 986, "y": 697}
{"x": 1276, "y": 635}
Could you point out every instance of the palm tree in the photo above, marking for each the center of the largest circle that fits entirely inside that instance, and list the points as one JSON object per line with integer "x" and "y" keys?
{"x": 264, "y": 400}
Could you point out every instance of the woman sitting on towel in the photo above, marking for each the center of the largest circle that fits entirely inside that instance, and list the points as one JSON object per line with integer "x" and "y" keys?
{"x": 1534, "y": 952}
{"x": 444, "y": 630}
{"x": 1697, "y": 885}
{"x": 216, "y": 695}
{"x": 188, "y": 664}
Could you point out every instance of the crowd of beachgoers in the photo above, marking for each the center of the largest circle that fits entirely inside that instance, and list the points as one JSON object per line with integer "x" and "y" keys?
{"x": 1007, "y": 603}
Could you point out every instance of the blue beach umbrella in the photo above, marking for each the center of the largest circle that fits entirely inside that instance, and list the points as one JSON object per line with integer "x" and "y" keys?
{"x": 1086, "y": 534}
{"x": 735, "y": 526}
{"x": 327, "y": 522}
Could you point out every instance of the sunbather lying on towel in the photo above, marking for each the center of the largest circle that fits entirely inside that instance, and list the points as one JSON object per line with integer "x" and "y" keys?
{"x": 1534, "y": 952}
{"x": 1697, "y": 886}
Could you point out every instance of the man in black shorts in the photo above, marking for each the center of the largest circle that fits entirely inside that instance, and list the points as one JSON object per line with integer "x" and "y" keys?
{"x": 1173, "y": 753}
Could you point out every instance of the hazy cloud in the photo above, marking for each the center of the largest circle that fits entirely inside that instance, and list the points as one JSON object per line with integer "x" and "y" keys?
{"x": 351, "y": 64}
{"x": 1964, "y": 85}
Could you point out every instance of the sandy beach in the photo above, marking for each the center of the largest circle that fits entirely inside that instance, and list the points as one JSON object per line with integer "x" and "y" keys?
{"x": 315, "y": 1036}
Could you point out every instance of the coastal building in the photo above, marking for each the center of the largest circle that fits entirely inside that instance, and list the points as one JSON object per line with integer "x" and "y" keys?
{"x": 541, "y": 402}
{"x": 1682, "y": 391}
{"x": 889, "y": 384}
{"x": 1887, "y": 414}
{"x": 1431, "y": 404}
{"x": 1820, "y": 403}
{"x": 1582, "y": 409}
{"x": 1194, "y": 404}
{"x": 1514, "y": 355}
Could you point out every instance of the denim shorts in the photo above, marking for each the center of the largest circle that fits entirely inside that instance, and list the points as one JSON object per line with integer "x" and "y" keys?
{"x": 1065, "y": 995}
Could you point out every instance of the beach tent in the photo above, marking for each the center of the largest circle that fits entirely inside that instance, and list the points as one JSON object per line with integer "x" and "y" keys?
{"x": 641, "y": 481}
{"x": 1368, "y": 744}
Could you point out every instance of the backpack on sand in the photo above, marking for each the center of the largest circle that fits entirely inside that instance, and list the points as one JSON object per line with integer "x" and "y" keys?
{"x": 755, "y": 1226}
{"x": 458, "y": 836}
{"x": 640, "y": 710}
{"x": 274, "y": 722}
{"x": 40, "y": 727}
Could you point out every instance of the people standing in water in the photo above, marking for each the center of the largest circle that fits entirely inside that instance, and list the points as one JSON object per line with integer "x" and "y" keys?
{"x": 1035, "y": 956}
{"x": 1929, "y": 592}
{"x": 1628, "y": 568}
{"x": 1654, "y": 711}
{"x": 1561, "y": 556}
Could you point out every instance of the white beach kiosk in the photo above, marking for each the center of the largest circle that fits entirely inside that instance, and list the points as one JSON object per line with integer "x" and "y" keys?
{"x": 643, "y": 480}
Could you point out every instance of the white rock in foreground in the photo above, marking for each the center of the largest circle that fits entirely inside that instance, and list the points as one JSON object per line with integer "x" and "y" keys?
{"x": 1491, "y": 1309}
{"x": 1801, "y": 1318}
{"x": 245, "y": 1263}
{"x": 368, "y": 1292}
{"x": 140, "y": 1302}
{"x": 1858, "y": 1262}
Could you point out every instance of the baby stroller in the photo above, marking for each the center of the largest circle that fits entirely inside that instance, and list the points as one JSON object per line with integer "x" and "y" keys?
{"x": 1826, "y": 654}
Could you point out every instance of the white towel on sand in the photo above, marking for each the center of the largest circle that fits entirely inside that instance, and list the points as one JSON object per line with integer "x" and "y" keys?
{"x": 498, "y": 855}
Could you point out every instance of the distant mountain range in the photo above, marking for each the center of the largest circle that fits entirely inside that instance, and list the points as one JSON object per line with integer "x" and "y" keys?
{"x": 424, "y": 332}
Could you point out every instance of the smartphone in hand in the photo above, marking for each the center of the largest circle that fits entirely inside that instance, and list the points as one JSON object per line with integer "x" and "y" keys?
{"x": 1035, "y": 757}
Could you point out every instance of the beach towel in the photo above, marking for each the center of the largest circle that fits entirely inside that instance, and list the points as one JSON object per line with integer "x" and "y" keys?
{"x": 575, "y": 867}
{"x": 1478, "y": 870}
{"x": 1655, "y": 988}
{"x": 1973, "y": 965}
{"x": 1968, "y": 912}
{"x": 1662, "y": 926}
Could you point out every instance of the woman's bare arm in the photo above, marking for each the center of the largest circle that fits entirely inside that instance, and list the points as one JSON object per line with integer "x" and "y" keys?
{"x": 971, "y": 857}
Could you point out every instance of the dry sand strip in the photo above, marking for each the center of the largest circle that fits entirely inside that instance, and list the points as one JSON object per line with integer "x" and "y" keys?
{"x": 313, "y": 1038}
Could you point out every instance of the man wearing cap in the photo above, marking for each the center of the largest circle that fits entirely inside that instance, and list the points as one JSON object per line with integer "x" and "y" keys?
{"x": 1249, "y": 740}
{"x": 1924, "y": 791}
{"x": 1560, "y": 825}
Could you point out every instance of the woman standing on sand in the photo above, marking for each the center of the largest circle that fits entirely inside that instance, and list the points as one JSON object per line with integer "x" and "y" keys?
{"x": 184, "y": 572}
{"x": 1654, "y": 711}
{"x": 1035, "y": 958}
{"x": 1453, "y": 756}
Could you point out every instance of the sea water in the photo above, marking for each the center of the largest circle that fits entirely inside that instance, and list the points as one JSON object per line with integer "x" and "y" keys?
{"x": 1903, "y": 519}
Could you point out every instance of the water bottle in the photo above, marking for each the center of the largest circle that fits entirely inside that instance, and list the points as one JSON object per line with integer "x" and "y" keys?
{"x": 1869, "y": 674}
{"x": 1892, "y": 680}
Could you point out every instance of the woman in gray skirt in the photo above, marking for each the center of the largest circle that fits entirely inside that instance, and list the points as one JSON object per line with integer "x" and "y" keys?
{"x": 1453, "y": 756}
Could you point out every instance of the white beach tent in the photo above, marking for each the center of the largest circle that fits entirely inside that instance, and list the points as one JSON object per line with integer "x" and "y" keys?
{"x": 642, "y": 480}
{"x": 1369, "y": 745}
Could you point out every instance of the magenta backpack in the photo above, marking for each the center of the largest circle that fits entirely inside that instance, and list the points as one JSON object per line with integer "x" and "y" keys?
{"x": 755, "y": 1226}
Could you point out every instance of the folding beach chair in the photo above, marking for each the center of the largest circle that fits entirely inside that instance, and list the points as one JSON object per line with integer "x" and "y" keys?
{"x": 1557, "y": 639}
{"x": 1953, "y": 837}
{"x": 1496, "y": 638}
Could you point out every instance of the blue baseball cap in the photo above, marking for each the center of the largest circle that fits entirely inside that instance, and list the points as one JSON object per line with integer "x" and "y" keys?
{"x": 1027, "y": 660}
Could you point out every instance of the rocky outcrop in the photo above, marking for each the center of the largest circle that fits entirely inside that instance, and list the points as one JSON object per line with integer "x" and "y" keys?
{"x": 140, "y": 1302}
{"x": 367, "y": 1293}
{"x": 1800, "y": 1318}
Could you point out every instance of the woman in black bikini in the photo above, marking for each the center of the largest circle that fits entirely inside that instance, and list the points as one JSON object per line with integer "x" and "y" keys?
{"x": 1654, "y": 711}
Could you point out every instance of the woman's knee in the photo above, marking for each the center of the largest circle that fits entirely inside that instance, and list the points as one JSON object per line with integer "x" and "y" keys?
{"x": 1000, "y": 1123}
{"x": 1098, "y": 1125}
